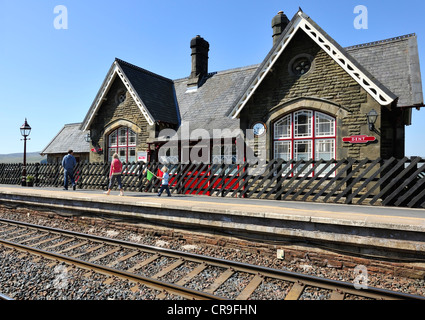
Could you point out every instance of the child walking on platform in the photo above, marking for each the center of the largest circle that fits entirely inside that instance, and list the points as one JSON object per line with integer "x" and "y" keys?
{"x": 165, "y": 179}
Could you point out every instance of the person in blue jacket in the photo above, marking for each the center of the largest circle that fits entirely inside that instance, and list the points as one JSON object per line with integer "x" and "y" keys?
{"x": 68, "y": 164}
{"x": 165, "y": 180}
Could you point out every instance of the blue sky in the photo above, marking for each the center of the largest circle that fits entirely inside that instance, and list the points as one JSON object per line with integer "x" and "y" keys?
{"x": 51, "y": 76}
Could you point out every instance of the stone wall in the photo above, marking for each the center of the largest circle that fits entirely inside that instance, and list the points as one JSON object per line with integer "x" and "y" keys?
{"x": 57, "y": 157}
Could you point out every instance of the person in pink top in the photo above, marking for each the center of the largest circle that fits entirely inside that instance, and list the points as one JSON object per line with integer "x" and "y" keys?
{"x": 115, "y": 174}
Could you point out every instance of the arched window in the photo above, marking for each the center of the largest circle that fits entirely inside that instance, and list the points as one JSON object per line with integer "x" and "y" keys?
{"x": 305, "y": 135}
{"x": 122, "y": 141}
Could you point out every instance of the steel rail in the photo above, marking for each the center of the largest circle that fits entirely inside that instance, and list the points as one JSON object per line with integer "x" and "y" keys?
{"x": 153, "y": 283}
{"x": 339, "y": 288}
{"x": 5, "y": 297}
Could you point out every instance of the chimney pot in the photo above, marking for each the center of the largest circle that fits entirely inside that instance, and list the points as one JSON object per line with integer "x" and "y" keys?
{"x": 200, "y": 48}
{"x": 279, "y": 23}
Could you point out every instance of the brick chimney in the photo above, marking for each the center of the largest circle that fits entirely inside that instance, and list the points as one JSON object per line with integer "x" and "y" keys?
{"x": 279, "y": 23}
{"x": 200, "y": 48}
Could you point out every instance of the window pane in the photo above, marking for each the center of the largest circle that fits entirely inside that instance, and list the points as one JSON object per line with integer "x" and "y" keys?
{"x": 325, "y": 125}
{"x": 282, "y": 150}
{"x": 111, "y": 152}
{"x": 122, "y": 136}
{"x": 131, "y": 154}
{"x": 325, "y": 149}
{"x": 282, "y": 128}
{"x": 303, "y": 123}
{"x": 122, "y": 154}
{"x": 302, "y": 150}
{"x": 113, "y": 139}
{"x": 131, "y": 138}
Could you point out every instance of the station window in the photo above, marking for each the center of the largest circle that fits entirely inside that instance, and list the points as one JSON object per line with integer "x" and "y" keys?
{"x": 122, "y": 141}
{"x": 305, "y": 135}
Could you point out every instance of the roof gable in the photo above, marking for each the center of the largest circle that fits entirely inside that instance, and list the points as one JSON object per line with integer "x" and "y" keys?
{"x": 153, "y": 94}
{"x": 156, "y": 92}
{"x": 302, "y": 22}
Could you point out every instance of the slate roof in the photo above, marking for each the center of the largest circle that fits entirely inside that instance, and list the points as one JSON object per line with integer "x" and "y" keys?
{"x": 69, "y": 137}
{"x": 392, "y": 63}
{"x": 395, "y": 63}
{"x": 156, "y": 92}
{"x": 206, "y": 107}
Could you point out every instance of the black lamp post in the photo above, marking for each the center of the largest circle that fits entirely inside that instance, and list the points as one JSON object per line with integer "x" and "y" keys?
{"x": 25, "y": 132}
{"x": 372, "y": 116}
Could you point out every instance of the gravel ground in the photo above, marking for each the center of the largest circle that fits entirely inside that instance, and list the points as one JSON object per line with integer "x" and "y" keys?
{"x": 267, "y": 290}
{"x": 178, "y": 273}
{"x": 234, "y": 285}
{"x": 210, "y": 274}
{"x": 271, "y": 289}
{"x": 24, "y": 278}
{"x": 155, "y": 266}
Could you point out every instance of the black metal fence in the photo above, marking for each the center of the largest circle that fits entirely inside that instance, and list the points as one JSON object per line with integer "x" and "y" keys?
{"x": 389, "y": 182}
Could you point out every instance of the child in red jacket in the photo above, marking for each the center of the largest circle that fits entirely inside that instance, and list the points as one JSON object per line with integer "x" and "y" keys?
{"x": 115, "y": 174}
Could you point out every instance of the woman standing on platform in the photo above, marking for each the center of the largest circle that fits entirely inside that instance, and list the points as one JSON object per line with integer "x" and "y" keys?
{"x": 115, "y": 174}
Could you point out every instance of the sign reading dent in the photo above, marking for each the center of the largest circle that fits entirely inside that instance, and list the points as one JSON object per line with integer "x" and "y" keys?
{"x": 359, "y": 139}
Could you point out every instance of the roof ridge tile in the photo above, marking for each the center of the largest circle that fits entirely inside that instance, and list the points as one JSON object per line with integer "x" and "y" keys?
{"x": 133, "y": 66}
{"x": 370, "y": 44}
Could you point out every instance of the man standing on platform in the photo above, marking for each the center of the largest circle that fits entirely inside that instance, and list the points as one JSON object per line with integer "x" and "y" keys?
{"x": 68, "y": 164}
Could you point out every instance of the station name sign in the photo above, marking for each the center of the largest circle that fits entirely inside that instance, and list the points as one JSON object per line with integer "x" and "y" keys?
{"x": 359, "y": 139}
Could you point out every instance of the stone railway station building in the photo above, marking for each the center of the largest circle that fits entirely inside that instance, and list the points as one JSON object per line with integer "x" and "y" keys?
{"x": 308, "y": 98}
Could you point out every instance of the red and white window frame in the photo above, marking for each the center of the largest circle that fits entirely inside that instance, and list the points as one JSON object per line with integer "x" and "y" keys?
{"x": 303, "y": 135}
{"x": 123, "y": 141}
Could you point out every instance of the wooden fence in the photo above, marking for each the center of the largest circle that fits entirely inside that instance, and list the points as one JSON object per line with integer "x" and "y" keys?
{"x": 389, "y": 182}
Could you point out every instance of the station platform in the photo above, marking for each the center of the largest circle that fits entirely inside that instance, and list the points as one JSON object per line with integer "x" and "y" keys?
{"x": 387, "y": 230}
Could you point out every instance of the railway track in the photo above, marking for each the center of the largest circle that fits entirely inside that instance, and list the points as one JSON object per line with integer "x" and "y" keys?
{"x": 175, "y": 274}
{"x": 4, "y": 297}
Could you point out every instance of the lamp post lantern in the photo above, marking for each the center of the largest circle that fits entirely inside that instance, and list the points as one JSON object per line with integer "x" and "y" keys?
{"x": 25, "y": 132}
{"x": 372, "y": 116}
